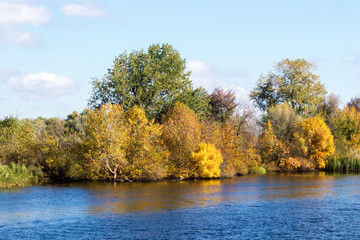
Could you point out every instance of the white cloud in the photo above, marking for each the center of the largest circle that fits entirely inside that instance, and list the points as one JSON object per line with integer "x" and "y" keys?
{"x": 19, "y": 38}
{"x": 42, "y": 85}
{"x": 85, "y": 9}
{"x": 18, "y": 14}
{"x": 210, "y": 76}
{"x": 13, "y": 15}
{"x": 5, "y": 74}
{"x": 202, "y": 74}
{"x": 240, "y": 92}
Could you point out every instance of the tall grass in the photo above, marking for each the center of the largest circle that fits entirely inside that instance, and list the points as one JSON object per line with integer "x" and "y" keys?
{"x": 16, "y": 175}
{"x": 343, "y": 164}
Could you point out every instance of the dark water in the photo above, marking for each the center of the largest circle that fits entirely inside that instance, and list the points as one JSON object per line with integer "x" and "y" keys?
{"x": 310, "y": 206}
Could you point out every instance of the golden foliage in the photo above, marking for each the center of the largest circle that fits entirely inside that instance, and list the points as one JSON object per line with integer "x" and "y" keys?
{"x": 16, "y": 141}
{"x": 294, "y": 164}
{"x": 107, "y": 137}
{"x": 144, "y": 151}
{"x": 208, "y": 160}
{"x": 315, "y": 140}
{"x": 232, "y": 145}
{"x": 346, "y": 124}
{"x": 272, "y": 151}
{"x": 181, "y": 135}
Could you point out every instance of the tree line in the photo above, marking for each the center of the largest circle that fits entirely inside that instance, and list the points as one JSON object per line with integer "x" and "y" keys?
{"x": 147, "y": 122}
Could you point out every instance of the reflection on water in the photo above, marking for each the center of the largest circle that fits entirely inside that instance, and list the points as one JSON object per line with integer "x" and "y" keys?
{"x": 137, "y": 197}
{"x": 271, "y": 206}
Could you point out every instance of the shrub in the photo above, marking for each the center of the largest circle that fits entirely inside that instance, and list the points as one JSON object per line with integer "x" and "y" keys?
{"x": 261, "y": 171}
{"x": 16, "y": 175}
{"x": 208, "y": 160}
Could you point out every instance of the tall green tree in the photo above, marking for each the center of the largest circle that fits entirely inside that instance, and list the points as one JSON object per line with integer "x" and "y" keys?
{"x": 153, "y": 80}
{"x": 292, "y": 82}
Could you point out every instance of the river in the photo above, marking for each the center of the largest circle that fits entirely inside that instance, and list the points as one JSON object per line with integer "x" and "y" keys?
{"x": 275, "y": 206}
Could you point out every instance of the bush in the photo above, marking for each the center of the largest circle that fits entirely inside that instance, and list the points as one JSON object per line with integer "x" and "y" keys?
{"x": 252, "y": 167}
{"x": 208, "y": 160}
{"x": 16, "y": 175}
{"x": 261, "y": 171}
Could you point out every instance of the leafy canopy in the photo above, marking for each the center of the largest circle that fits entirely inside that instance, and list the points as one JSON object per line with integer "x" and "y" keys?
{"x": 107, "y": 138}
{"x": 181, "y": 135}
{"x": 292, "y": 83}
{"x": 144, "y": 151}
{"x": 153, "y": 80}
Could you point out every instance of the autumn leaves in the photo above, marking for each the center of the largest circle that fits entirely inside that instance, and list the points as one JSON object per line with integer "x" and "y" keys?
{"x": 129, "y": 146}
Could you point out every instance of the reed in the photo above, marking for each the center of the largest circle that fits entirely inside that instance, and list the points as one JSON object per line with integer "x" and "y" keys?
{"x": 345, "y": 164}
{"x": 16, "y": 175}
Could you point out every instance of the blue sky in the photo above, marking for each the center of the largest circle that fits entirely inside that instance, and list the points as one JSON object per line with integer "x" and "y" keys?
{"x": 50, "y": 50}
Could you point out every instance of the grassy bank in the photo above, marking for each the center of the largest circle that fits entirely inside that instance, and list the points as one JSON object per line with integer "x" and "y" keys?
{"x": 16, "y": 175}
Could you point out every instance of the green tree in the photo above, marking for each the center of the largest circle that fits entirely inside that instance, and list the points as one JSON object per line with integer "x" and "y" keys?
{"x": 16, "y": 141}
{"x": 59, "y": 147}
{"x": 294, "y": 83}
{"x": 197, "y": 100}
{"x": 153, "y": 80}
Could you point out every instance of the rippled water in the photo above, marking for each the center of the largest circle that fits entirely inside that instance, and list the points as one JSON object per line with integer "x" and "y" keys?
{"x": 302, "y": 206}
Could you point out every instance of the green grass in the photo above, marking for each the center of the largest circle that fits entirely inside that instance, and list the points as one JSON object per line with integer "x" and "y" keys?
{"x": 16, "y": 175}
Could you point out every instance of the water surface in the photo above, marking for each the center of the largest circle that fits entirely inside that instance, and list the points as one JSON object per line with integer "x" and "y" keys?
{"x": 279, "y": 206}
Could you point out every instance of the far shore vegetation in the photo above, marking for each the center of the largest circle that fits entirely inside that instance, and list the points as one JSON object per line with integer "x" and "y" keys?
{"x": 147, "y": 122}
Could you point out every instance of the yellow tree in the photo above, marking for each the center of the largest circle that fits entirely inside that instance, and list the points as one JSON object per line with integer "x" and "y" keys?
{"x": 346, "y": 126}
{"x": 229, "y": 144}
{"x": 315, "y": 140}
{"x": 107, "y": 137}
{"x": 181, "y": 135}
{"x": 208, "y": 160}
{"x": 272, "y": 150}
{"x": 145, "y": 154}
